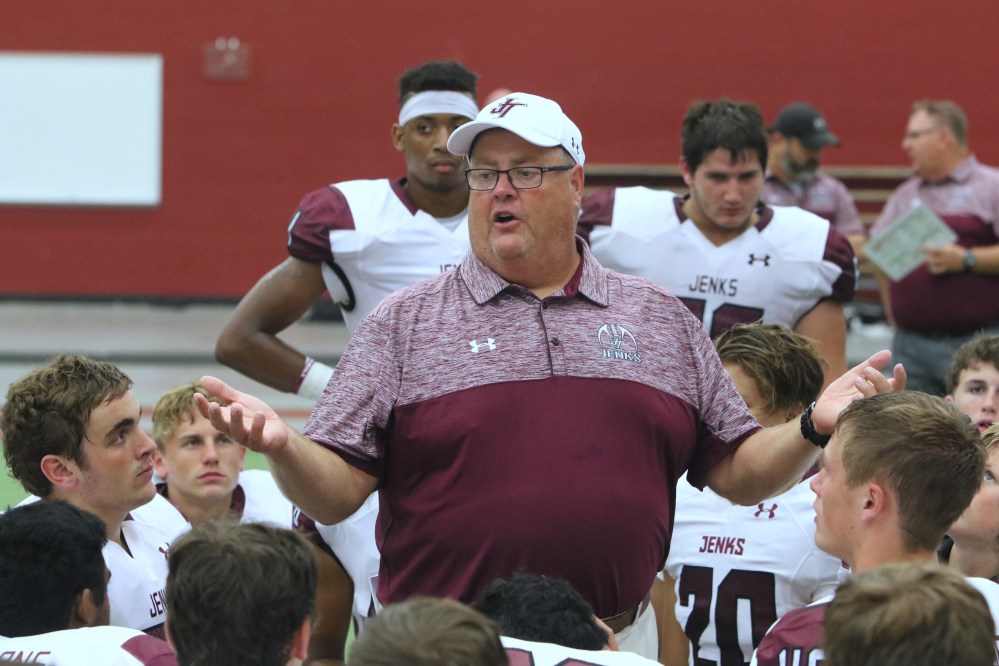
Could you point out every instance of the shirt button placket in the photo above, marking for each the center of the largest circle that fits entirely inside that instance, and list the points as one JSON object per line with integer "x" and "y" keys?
{"x": 556, "y": 350}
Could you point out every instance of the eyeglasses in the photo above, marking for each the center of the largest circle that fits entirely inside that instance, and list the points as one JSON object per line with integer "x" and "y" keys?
{"x": 915, "y": 134}
{"x": 522, "y": 178}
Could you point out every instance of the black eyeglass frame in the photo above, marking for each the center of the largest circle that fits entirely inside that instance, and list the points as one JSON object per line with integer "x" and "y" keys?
{"x": 541, "y": 169}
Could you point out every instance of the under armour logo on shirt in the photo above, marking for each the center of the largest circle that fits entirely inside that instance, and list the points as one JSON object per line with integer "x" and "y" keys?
{"x": 761, "y": 510}
{"x": 488, "y": 345}
{"x": 753, "y": 259}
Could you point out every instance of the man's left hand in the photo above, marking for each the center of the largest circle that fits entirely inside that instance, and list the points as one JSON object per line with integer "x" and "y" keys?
{"x": 944, "y": 259}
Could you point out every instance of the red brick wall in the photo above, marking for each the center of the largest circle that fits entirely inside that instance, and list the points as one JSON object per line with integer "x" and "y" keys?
{"x": 237, "y": 156}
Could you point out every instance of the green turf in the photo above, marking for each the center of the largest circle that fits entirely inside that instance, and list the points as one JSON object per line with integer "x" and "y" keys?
{"x": 11, "y": 491}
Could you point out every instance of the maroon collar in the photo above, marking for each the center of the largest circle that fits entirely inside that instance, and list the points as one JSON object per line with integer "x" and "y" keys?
{"x": 589, "y": 280}
{"x": 765, "y": 212}
{"x": 399, "y": 187}
{"x": 235, "y": 507}
{"x": 571, "y": 287}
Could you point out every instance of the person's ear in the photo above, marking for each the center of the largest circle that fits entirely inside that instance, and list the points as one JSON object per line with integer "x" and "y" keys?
{"x": 688, "y": 177}
{"x": 876, "y": 500}
{"x": 85, "y": 612}
{"x": 611, "y": 638}
{"x": 159, "y": 464}
{"x": 60, "y": 472}
{"x": 300, "y": 640}
{"x": 576, "y": 179}
{"x": 397, "y": 131}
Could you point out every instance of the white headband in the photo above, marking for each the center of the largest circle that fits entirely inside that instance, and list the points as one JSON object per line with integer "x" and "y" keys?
{"x": 437, "y": 101}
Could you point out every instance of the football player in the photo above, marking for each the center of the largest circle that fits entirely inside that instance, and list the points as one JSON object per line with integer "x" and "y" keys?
{"x": 736, "y": 569}
{"x": 71, "y": 432}
{"x": 729, "y": 257}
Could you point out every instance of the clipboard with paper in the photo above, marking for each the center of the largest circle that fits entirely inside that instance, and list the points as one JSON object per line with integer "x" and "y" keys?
{"x": 899, "y": 250}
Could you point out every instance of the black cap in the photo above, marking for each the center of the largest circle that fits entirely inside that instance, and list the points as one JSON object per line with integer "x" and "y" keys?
{"x": 807, "y": 124}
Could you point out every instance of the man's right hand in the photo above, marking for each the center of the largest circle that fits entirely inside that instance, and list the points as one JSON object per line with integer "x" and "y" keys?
{"x": 246, "y": 419}
{"x": 861, "y": 381}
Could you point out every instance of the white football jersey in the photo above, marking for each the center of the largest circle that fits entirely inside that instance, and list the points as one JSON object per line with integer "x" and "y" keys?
{"x": 529, "y": 653}
{"x": 138, "y": 580}
{"x": 797, "y": 640}
{"x": 90, "y": 646}
{"x": 378, "y": 239}
{"x": 138, "y": 575}
{"x": 737, "y": 569}
{"x": 264, "y": 502}
{"x": 160, "y": 513}
{"x": 989, "y": 590}
{"x": 353, "y": 542}
{"x": 777, "y": 270}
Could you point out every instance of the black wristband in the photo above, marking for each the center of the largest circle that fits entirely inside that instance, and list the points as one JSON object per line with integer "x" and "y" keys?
{"x": 808, "y": 429}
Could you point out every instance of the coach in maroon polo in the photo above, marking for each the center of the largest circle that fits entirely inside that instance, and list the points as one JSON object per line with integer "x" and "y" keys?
{"x": 529, "y": 410}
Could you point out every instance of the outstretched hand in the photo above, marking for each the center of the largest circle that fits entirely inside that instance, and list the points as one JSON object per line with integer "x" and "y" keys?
{"x": 246, "y": 419}
{"x": 861, "y": 381}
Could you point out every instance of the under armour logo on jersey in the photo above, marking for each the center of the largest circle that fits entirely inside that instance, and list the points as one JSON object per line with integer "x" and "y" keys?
{"x": 762, "y": 509}
{"x": 504, "y": 107}
{"x": 753, "y": 259}
{"x": 489, "y": 345}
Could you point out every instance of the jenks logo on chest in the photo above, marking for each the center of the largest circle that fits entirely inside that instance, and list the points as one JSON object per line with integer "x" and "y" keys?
{"x": 722, "y": 545}
{"x": 157, "y": 603}
{"x": 617, "y": 342}
{"x": 709, "y": 284}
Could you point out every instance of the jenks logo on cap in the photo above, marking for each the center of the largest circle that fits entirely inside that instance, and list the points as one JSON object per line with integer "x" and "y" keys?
{"x": 504, "y": 107}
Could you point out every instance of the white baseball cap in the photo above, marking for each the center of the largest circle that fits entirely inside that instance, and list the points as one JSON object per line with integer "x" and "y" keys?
{"x": 534, "y": 119}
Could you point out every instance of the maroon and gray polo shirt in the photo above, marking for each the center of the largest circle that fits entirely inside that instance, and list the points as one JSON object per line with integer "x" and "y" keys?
{"x": 823, "y": 195}
{"x": 515, "y": 434}
{"x": 957, "y": 303}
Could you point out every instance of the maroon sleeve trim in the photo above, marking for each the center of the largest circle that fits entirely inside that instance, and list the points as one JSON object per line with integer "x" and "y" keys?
{"x": 399, "y": 188}
{"x": 598, "y": 209}
{"x": 150, "y": 651}
{"x": 318, "y": 213}
{"x": 306, "y": 526}
{"x": 766, "y": 214}
{"x": 839, "y": 251}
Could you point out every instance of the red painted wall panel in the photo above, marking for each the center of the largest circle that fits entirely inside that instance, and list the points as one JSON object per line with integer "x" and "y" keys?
{"x": 318, "y": 108}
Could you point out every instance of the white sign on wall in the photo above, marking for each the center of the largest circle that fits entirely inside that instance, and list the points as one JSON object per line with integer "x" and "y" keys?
{"x": 81, "y": 129}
